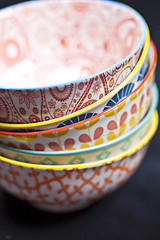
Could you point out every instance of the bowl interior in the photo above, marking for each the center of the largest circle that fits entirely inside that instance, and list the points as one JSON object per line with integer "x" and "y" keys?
{"x": 48, "y": 43}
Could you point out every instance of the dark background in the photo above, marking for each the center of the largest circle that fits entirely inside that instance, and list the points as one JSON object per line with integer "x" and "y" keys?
{"x": 132, "y": 212}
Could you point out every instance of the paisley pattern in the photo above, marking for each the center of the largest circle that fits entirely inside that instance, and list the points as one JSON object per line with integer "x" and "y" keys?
{"x": 67, "y": 190}
{"x": 61, "y": 93}
{"x": 4, "y": 110}
{"x": 69, "y": 54}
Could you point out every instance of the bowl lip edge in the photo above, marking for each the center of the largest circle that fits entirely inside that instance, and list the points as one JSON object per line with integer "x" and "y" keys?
{"x": 139, "y": 46}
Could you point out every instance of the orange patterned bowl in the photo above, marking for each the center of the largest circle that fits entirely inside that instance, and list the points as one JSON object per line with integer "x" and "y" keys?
{"x": 71, "y": 187}
{"x": 47, "y": 45}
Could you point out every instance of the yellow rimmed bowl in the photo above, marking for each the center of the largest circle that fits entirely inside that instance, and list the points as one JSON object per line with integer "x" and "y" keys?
{"x": 94, "y": 153}
{"x": 71, "y": 187}
{"x": 27, "y": 63}
{"x": 111, "y": 124}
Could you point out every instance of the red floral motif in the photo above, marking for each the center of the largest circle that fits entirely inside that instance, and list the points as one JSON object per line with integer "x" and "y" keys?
{"x": 80, "y": 85}
{"x": 111, "y": 82}
{"x": 55, "y": 146}
{"x": 52, "y": 104}
{"x": 96, "y": 87}
{"x": 64, "y": 106}
{"x": 27, "y": 97}
{"x": 22, "y": 110}
{"x": 142, "y": 100}
{"x": 134, "y": 109}
{"x": 112, "y": 125}
{"x": 78, "y": 94}
{"x": 69, "y": 143}
{"x": 39, "y": 147}
{"x": 35, "y": 110}
{"x": 61, "y": 93}
{"x": 25, "y": 147}
{"x": 58, "y": 113}
{"x": 85, "y": 138}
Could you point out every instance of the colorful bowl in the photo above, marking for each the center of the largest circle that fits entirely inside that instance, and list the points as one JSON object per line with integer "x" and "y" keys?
{"x": 109, "y": 151}
{"x": 133, "y": 79}
{"x": 41, "y": 56}
{"x": 94, "y": 153}
{"x": 102, "y": 128}
{"x": 72, "y": 187}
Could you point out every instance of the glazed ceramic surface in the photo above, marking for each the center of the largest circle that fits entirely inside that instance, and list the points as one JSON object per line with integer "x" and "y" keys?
{"x": 108, "y": 152}
{"x": 109, "y": 125}
{"x": 41, "y": 57}
{"x": 71, "y": 187}
{"x": 67, "y": 190}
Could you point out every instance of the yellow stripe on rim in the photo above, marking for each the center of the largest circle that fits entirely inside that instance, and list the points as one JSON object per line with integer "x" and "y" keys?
{"x": 9, "y": 125}
{"x": 145, "y": 140}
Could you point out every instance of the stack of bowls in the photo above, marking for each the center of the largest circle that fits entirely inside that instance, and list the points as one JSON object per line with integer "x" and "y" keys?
{"x": 65, "y": 143}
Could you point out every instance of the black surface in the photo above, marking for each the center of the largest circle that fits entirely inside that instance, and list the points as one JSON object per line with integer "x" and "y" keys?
{"x": 132, "y": 212}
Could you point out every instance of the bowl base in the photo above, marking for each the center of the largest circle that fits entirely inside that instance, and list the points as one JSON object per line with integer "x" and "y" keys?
{"x": 61, "y": 209}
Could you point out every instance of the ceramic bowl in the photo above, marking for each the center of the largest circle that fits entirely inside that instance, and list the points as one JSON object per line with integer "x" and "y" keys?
{"x": 134, "y": 79}
{"x": 72, "y": 187}
{"x": 102, "y": 128}
{"x": 99, "y": 152}
{"x": 47, "y": 45}
{"x": 106, "y": 151}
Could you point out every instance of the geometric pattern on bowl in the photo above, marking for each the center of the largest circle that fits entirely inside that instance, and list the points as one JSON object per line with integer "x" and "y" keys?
{"x": 67, "y": 190}
{"x": 37, "y": 49}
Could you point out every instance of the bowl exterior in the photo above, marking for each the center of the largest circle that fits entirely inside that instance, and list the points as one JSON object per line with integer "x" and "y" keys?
{"x": 109, "y": 152}
{"x": 67, "y": 190}
{"x": 109, "y": 126}
{"x": 38, "y": 105}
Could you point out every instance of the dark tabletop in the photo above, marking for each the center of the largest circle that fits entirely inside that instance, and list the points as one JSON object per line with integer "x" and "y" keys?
{"x": 132, "y": 212}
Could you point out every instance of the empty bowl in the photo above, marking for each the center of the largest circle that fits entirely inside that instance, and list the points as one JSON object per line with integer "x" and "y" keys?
{"x": 58, "y": 58}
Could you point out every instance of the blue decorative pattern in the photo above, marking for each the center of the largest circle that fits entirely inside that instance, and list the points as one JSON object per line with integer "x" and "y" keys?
{"x": 77, "y": 119}
{"x": 143, "y": 71}
{"x": 124, "y": 92}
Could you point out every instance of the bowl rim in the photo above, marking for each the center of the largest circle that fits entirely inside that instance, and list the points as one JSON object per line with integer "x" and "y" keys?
{"x": 103, "y": 145}
{"x": 143, "y": 142}
{"x": 44, "y": 123}
{"x": 147, "y": 77}
{"x": 112, "y": 3}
